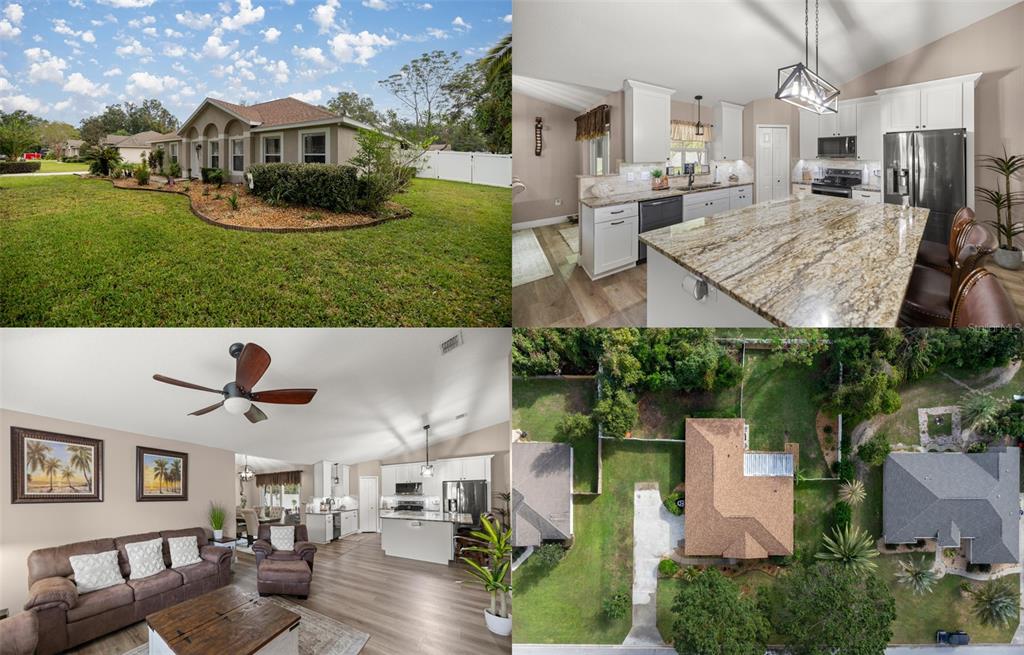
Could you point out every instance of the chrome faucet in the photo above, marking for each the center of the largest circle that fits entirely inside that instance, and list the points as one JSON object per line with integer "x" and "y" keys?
{"x": 690, "y": 178}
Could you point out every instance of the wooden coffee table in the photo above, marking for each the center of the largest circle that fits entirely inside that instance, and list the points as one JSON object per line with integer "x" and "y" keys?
{"x": 224, "y": 620}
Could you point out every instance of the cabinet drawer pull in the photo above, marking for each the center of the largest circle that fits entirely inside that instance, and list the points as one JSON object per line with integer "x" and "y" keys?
{"x": 618, "y": 222}
{"x": 619, "y": 212}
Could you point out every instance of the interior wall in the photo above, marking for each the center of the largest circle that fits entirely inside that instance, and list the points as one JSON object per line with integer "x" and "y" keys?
{"x": 552, "y": 176}
{"x": 26, "y": 527}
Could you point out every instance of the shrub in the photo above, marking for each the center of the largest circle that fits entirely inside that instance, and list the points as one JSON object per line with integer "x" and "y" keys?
{"x": 102, "y": 160}
{"x": 617, "y": 605}
{"x": 874, "y": 451}
{"x": 668, "y": 567}
{"x": 574, "y": 428}
{"x": 142, "y": 174}
{"x": 548, "y": 555}
{"x": 212, "y": 175}
{"x": 329, "y": 186}
{"x": 670, "y": 502}
{"x": 841, "y": 514}
{"x": 386, "y": 169}
{"x": 977, "y": 447}
{"x": 233, "y": 200}
{"x": 174, "y": 170}
{"x": 827, "y": 429}
{"x": 617, "y": 413}
{"x": 845, "y": 470}
{"x": 12, "y": 167}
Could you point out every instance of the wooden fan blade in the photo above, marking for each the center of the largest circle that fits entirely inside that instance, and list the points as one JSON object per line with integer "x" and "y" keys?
{"x": 285, "y": 396}
{"x": 251, "y": 365}
{"x": 187, "y": 385}
{"x": 206, "y": 410}
{"x": 255, "y": 414}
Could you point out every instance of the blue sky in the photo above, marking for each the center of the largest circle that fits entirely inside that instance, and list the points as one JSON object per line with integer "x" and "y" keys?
{"x": 67, "y": 59}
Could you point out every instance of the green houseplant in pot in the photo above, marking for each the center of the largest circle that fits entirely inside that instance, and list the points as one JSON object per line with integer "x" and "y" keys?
{"x": 1003, "y": 199}
{"x": 217, "y": 514}
{"x": 493, "y": 575}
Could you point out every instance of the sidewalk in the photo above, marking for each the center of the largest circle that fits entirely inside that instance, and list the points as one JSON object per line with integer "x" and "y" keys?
{"x": 44, "y": 174}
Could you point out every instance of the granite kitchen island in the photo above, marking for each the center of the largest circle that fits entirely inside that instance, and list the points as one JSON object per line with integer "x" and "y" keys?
{"x": 422, "y": 535}
{"x": 816, "y": 261}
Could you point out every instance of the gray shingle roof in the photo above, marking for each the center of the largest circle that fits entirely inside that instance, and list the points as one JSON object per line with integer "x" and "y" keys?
{"x": 542, "y": 492}
{"x": 954, "y": 496}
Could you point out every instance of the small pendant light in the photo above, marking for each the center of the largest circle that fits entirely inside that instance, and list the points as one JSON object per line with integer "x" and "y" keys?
{"x": 801, "y": 87}
{"x": 427, "y": 470}
{"x": 246, "y": 473}
{"x": 700, "y": 126}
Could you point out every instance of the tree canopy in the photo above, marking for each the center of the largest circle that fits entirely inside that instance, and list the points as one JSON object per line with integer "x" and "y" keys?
{"x": 128, "y": 118}
{"x": 712, "y": 617}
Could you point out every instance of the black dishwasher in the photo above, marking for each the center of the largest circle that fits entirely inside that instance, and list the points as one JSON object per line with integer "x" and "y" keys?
{"x": 658, "y": 213}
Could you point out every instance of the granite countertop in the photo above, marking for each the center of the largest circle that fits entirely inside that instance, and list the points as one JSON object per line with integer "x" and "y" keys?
{"x": 817, "y": 261}
{"x": 336, "y": 511}
{"x": 446, "y": 517}
{"x": 867, "y": 187}
{"x": 595, "y": 202}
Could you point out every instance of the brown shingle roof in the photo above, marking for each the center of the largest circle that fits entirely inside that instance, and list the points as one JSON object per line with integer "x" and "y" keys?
{"x": 729, "y": 514}
{"x": 140, "y": 140}
{"x": 283, "y": 111}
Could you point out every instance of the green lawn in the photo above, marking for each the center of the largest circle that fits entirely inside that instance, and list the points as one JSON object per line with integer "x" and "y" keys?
{"x": 82, "y": 253}
{"x": 52, "y": 166}
{"x": 663, "y": 414}
{"x": 940, "y": 425}
{"x": 868, "y": 515}
{"x": 812, "y": 510}
{"x": 538, "y": 404}
{"x": 564, "y": 605}
{"x": 778, "y": 403}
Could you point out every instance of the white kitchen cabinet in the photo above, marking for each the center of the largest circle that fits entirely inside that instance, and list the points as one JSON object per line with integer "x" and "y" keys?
{"x": 801, "y": 190}
{"x": 809, "y": 126}
{"x": 706, "y": 203}
{"x": 349, "y": 521}
{"x": 608, "y": 238}
{"x": 475, "y": 468}
{"x": 727, "y": 140}
{"x": 942, "y": 107}
{"x": 904, "y": 111}
{"x": 847, "y": 119}
{"x": 323, "y": 476}
{"x": 740, "y": 197}
{"x": 648, "y": 122}
{"x": 388, "y": 477}
{"x": 320, "y": 528}
{"x": 869, "y": 131}
{"x": 936, "y": 105}
{"x": 828, "y": 125}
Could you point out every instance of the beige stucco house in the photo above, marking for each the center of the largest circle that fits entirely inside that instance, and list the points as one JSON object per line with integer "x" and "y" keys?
{"x": 232, "y": 137}
{"x": 132, "y": 148}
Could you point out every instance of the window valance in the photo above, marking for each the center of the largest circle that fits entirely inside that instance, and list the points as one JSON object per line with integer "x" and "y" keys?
{"x": 687, "y": 131}
{"x": 281, "y": 477}
{"x": 594, "y": 123}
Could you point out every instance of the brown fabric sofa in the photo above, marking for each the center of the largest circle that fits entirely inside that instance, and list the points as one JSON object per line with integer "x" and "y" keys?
{"x": 19, "y": 634}
{"x": 67, "y": 618}
{"x": 284, "y": 571}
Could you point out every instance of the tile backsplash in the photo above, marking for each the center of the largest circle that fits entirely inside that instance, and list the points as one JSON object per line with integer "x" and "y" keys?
{"x": 871, "y": 171}
{"x": 615, "y": 184}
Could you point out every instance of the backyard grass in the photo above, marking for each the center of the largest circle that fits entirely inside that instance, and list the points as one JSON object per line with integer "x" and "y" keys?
{"x": 563, "y": 605}
{"x": 82, "y": 253}
{"x": 538, "y": 404}
{"x": 51, "y": 166}
{"x": 663, "y": 413}
{"x": 868, "y": 515}
{"x": 779, "y": 406}
{"x": 940, "y": 425}
{"x": 812, "y": 511}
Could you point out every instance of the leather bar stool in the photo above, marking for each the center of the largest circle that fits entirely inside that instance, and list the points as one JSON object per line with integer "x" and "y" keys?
{"x": 929, "y": 298}
{"x": 982, "y": 301}
{"x": 940, "y": 257}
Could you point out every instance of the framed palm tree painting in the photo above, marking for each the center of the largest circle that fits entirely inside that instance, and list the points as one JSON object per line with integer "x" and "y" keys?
{"x": 160, "y": 474}
{"x": 47, "y": 467}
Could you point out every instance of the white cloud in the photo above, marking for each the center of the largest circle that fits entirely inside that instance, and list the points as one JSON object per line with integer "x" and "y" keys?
{"x": 127, "y": 4}
{"x": 150, "y": 31}
{"x": 60, "y": 26}
{"x": 279, "y": 69}
{"x": 379, "y": 5}
{"x": 507, "y": 18}
{"x": 289, "y": 2}
{"x": 37, "y": 38}
{"x": 63, "y": 104}
{"x": 461, "y": 25}
{"x": 194, "y": 21}
{"x": 77, "y": 4}
{"x": 145, "y": 83}
{"x": 315, "y": 55}
{"x": 297, "y": 28}
{"x": 113, "y": 72}
{"x": 23, "y": 102}
{"x": 139, "y": 22}
{"x": 8, "y": 31}
{"x": 270, "y": 34}
{"x": 323, "y": 15}
{"x": 426, "y": 6}
{"x": 437, "y": 33}
{"x": 80, "y": 84}
{"x": 88, "y": 36}
{"x": 14, "y": 13}
{"x": 134, "y": 47}
{"x": 5, "y": 85}
{"x": 216, "y": 48}
{"x": 311, "y": 97}
{"x": 246, "y": 16}
{"x": 174, "y": 51}
{"x": 179, "y": 68}
{"x": 358, "y": 48}
{"x": 172, "y": 34}
{"x": 45, "y": 67}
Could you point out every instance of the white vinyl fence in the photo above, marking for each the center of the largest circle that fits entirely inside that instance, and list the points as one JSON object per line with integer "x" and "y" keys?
{"x": 472, "y": 167}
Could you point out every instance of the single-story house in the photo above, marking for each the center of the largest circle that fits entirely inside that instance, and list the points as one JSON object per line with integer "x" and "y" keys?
{"x": 958, "y": 499}
{"x": 739, "y": 503}
{"x": 132, "y": 148}
{"x": 541, "y": 493}
{"x": 232, "y": 137}
{"x": 73, "y": 147}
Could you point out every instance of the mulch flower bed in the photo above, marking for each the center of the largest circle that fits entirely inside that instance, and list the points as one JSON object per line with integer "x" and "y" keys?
{"x": 253, "y": 213}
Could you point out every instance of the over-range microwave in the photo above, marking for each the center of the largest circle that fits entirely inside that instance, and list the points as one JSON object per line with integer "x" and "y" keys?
{"x": 837, "y": 147}
{"x": 408, "y": 488}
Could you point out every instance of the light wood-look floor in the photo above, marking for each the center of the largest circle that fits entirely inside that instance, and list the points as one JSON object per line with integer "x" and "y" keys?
{"x": 404, "y": 605}
{"x": 569, "y": 298}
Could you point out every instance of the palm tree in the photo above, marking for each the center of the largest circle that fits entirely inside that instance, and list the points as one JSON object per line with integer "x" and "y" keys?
{"x": 852, "y": 492}
{"x": 917, "y": 575}
{"x": 996, "y": 602}
{"x": 498, "y": 60}
{"x": 160, "y": 471}
{"x": 67, "y": 474}
{"x": 36, "y": 454}
{"x": 914, "y": 357}
{"x": 979, "y": 411}
{"x": 81, "y": 459}
{"x": 51, "y": 467}
{"x": 850, "y": 547}
{"x": 174, "y": 474}
{"x": 103, "y": 159}
{"x": 1007, "y": 167}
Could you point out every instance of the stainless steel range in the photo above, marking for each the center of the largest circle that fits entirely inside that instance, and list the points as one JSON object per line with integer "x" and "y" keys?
{"x": 837, "y": 182}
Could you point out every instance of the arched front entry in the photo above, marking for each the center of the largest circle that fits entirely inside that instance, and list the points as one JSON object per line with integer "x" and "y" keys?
{"x": 191, "y": 141}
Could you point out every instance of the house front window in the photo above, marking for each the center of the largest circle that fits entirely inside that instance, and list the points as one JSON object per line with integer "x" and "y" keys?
{"x": 214, "y": 154}
{"x": 174, "y": 153}
{"x": 237, "y": 155}
{"x": 314, "y": 148}
{"x": 271, "y": 150}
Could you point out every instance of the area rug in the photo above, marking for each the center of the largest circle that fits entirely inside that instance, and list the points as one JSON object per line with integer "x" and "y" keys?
{"x": 528, "y": 261}
{"x": 571, "y": 234}
{"x": 318, "y": 634}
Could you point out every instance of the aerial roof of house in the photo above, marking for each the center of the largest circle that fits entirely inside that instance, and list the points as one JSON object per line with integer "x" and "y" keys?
{"x": 140, "y": 140}
{"x": 739, "y": 504}
{"x": 541, "y": 492}
{"x": 954, "y": 496}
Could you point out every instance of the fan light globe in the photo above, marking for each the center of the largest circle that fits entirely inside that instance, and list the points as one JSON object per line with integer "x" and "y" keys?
{"x": 237, "y": 405}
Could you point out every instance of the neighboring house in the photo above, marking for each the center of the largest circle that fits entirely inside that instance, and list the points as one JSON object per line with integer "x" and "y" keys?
{"x": 73, "y": 147}
{"x": 132, "y": 148}
{"x": 541, "y": 493}
{"x": 739, "y": 504}
{"x": 232, "y": 137}
{"x": 958, "y": 499}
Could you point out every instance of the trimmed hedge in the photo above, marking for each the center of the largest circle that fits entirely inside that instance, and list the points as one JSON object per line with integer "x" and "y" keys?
{"x": 330, "y": 186}
{"x": 12, "y": 167}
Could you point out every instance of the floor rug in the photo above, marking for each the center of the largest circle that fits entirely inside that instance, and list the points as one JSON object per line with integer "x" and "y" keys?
{"x": 528, "y": 261}
{"x": 571, "y": 234}
{"x": 318, "y": 634}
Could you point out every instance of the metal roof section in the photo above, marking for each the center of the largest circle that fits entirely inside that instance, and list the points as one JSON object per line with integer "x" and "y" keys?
{"x": 768, "y": 465}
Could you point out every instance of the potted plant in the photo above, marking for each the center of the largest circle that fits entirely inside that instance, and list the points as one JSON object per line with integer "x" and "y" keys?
{"x": 1003, "y": 198}
{"x": 496, "y": 545}
{"x": 658, "y": 181}
{"x": 217, "y": 520}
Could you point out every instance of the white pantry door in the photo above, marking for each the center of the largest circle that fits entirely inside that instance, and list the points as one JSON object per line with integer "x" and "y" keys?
{"x": 369, "y": 498}
{"x": 772, "y": 163}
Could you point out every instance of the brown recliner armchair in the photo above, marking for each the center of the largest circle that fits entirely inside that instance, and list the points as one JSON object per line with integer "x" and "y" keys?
{"x": 19, "y": 634}
{"x": 284, "y": 571}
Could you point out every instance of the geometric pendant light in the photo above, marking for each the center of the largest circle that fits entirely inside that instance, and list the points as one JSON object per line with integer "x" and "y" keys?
{"x": 799, "y": 86}
{"x": 427, "y": 470}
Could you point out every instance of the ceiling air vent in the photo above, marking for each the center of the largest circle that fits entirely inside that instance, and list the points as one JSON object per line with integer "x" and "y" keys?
{"x": 451, "y": 344}
{"x": 460, "y": 416}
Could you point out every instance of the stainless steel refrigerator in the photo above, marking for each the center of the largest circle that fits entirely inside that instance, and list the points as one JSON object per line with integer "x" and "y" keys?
{"x": 930, "y": 170}
{"x": 466, "y": 496}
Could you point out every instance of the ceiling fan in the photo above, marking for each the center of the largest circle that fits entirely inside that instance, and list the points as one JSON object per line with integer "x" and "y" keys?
{"x": 251, "y": 363}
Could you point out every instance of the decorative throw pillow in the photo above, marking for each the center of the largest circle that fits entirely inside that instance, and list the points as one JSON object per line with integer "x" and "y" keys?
{"x": 145, "y": 558}
{"x": 282, "y": 537}
{"x": 184, "y": 551}
{"x": 97, "y": 571}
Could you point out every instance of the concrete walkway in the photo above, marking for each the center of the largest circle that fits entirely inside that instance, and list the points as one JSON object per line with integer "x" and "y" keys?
{"x": 44, "y": 174}
{"x": 656, "y": 533}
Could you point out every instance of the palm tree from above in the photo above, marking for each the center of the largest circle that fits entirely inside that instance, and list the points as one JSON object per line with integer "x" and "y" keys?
{"x": 996, "y": 602}
{"x": 979, "y": 410}
{"x": 851, "y": 547}
{"x": 916, "y": 574}
{"x": 852, "y": 492}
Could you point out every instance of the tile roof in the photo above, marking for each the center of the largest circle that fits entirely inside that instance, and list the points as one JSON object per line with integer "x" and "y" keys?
{"x": 730, "y": 514}
{"x": 283, "y": 111}
{"x": 541, "y": 493}
{"x": 954, "y": 496}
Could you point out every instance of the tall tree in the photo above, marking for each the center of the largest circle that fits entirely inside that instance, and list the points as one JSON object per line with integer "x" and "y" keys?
{"x": 18, "y": 133}
{"x": 55, "y": 134}
{"x": 355, "y": 106}
{"x": 421, "y": 85}
{"x": 712, "y": 617}
{"x": 493, "y": 113}
{"x": 128, "y": 118}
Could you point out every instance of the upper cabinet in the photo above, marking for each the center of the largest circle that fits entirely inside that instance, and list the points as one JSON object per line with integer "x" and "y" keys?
{"x": 809, "y": 125}
{"x": 648, "y": 122}
{"x": 828, "y": 124}
{"x": 843, "y": 123}
{"x": 937, "y": 105}
{"x": 727, "y": 137}
{"x": 869, "y": 131}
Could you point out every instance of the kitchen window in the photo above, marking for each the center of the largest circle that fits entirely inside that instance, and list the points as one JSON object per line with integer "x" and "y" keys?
{"x": 688, "y": 152}
{"x": 314, "y": 148}
{"x": 237, "y": 155}
{"x": 271, "y": 150}
{"x": 214, "y": 154}
{"x": 280, "y": 495}
{"x": 599, "y": 164}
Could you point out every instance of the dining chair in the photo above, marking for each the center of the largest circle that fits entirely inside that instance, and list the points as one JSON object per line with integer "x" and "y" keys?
{"x": 941, "y": 257}
{"x": 981, "y": 301}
